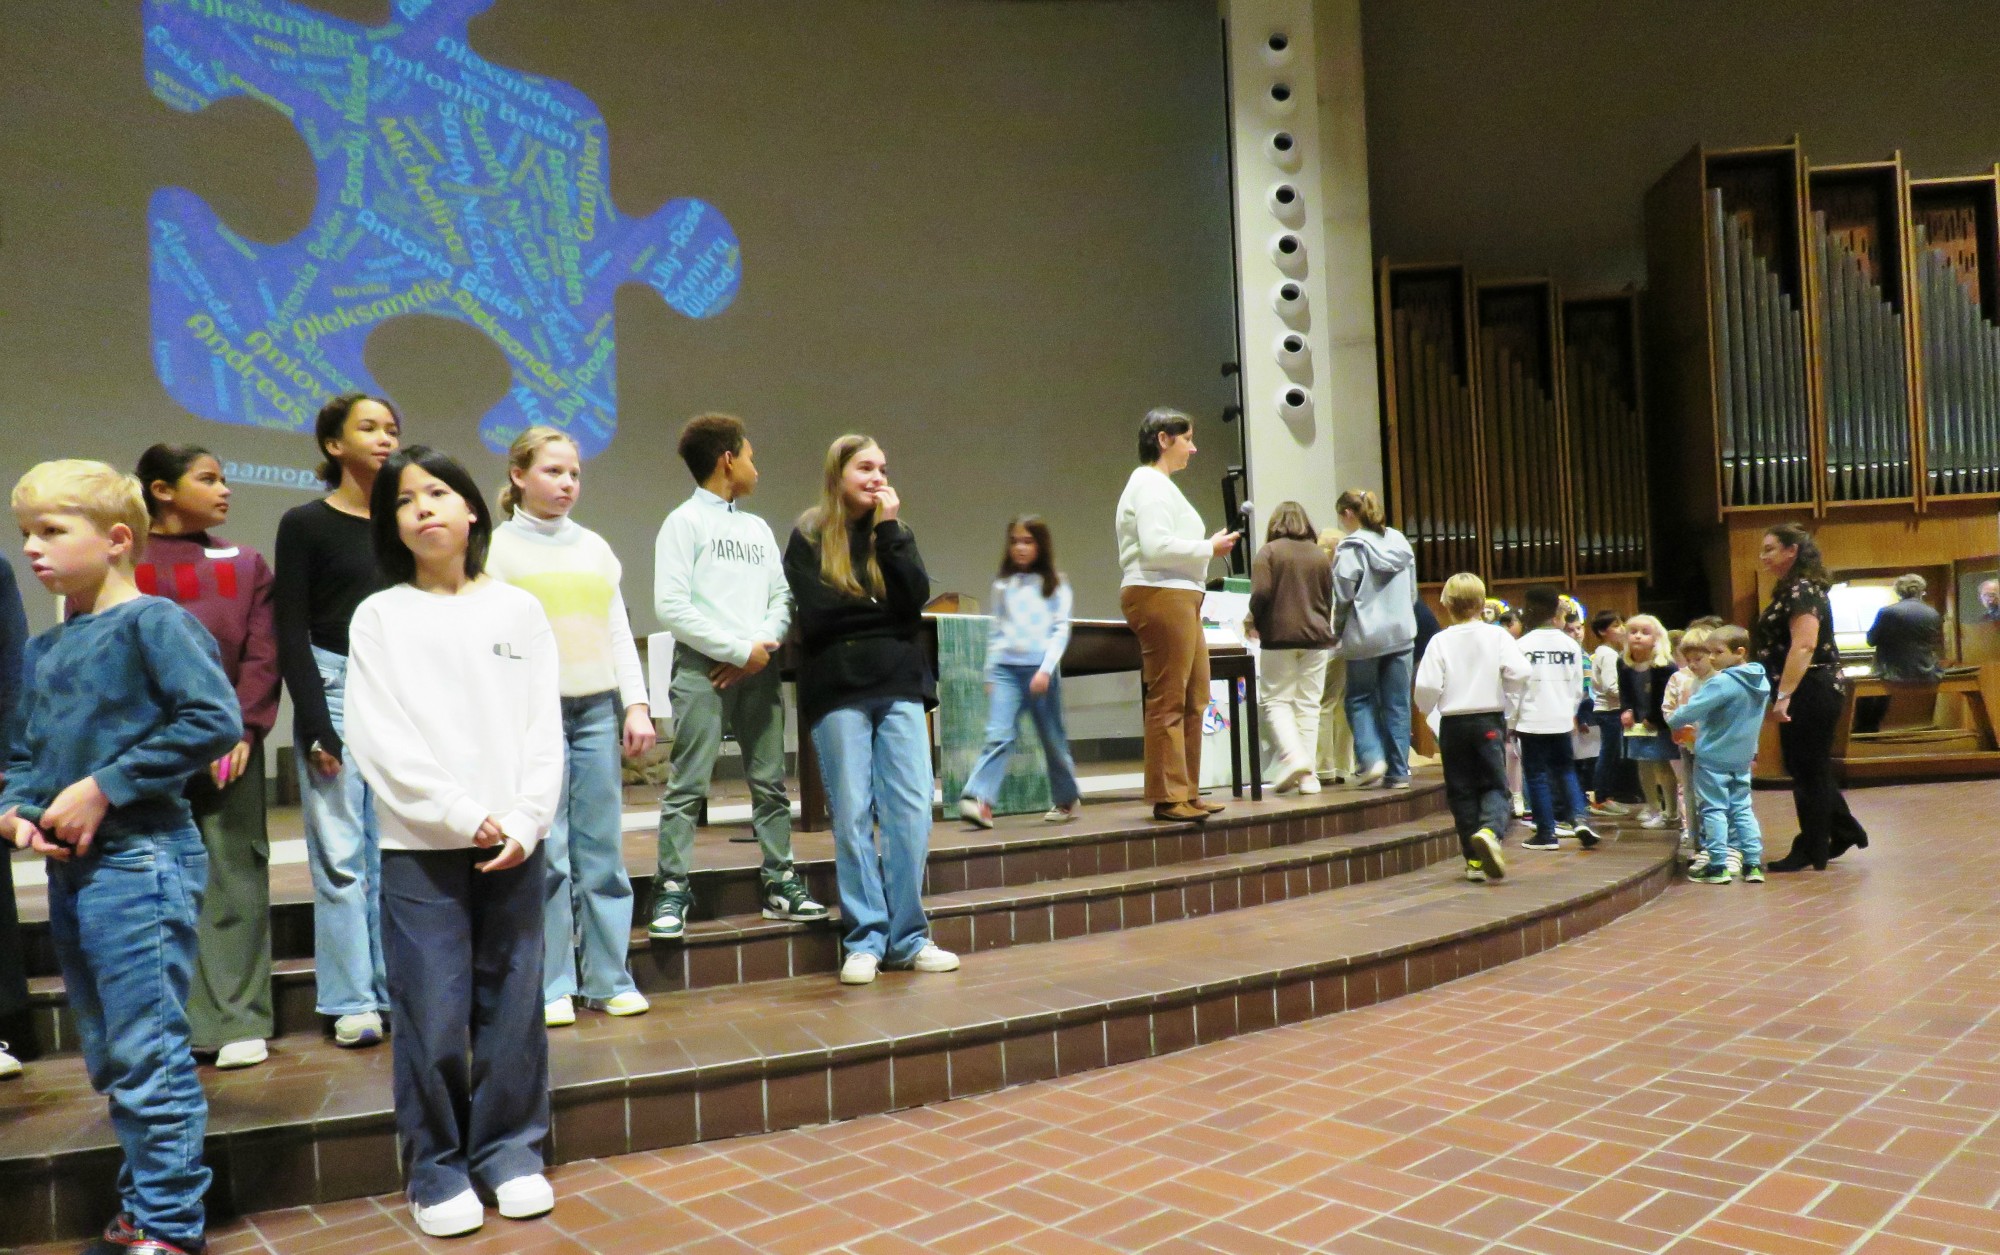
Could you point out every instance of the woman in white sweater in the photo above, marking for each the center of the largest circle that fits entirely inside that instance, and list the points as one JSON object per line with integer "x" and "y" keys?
{"x": 454, "y": 718}
{"x": 1164, "y": 552}
{"x": 540, "y": 549}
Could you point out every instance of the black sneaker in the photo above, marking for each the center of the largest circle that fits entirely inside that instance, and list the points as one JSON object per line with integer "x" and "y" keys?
{"x": 788, "y": 899}
{"x": 670, "y": 911}
{"x": 1540, "y": 842}
{"x": 1586, "y": 836}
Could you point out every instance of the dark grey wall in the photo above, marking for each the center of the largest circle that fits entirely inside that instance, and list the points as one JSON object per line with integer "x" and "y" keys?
{"x": 990, "y": 233}
{"x": 1521, "y": 136}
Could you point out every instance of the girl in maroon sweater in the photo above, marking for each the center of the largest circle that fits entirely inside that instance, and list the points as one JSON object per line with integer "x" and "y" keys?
{"x": 228, "y": 588}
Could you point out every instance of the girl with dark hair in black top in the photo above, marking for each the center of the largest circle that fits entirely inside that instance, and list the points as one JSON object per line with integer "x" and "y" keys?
{"x": 1794, "y": 640}
{"x": 325, "y": 568}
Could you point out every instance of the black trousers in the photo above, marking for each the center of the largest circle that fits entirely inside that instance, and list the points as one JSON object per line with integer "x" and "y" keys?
{"x": 471, "y": 1065}
{"x": 1474, "y": 749}
{"x": 15, "y": 1026}
{"x": 1826, "y": 826}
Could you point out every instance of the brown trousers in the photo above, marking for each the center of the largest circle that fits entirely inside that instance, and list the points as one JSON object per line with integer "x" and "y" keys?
{"x": 1173, "y": 666}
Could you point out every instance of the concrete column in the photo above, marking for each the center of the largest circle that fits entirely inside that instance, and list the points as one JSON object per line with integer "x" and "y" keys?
{"x": 1304, "y": 258}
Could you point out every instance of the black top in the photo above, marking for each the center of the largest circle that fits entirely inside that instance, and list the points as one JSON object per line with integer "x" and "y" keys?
{"x": 1641, "y": 690}
{"x": 1908, "y": 637}
{"x": 13, "y": 644}
{"x": 1427, "y": 627}
{"x": 326, "y": 567}
{"x": 852, "y": 649}
{"x": 1790, "y": 599}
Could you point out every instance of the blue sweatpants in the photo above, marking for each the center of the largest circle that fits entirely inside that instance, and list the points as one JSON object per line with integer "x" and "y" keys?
{"x": 1727, "y": 822}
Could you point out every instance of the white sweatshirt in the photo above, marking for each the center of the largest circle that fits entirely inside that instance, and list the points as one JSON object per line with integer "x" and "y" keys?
{"x": 1471, "y": 669}
{"x": 1161, "y": 540}
{"x": 575, "y": 576}
{"x": 454, "y": 714}
{"x": 1555, "y": 682}
{"x": 719, "y": 579}
{"x": 1604, "y": 678}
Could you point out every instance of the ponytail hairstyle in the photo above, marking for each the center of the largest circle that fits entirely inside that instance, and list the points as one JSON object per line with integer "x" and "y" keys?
{"x": 1366, "y": 506}
{"x": 165, "y": 463}
{"x": 521, "y": 456}
{"x": 825, "y": 525}
{"x": 1808, "y": 565}
{"x": 1044, "y": 564}
{"x": 332, "y": 421}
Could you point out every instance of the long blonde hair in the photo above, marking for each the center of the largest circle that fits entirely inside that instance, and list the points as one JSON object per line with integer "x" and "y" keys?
{"x": 521, "y": 456}
{"x": 1663, "y": 650}
{"x": 826, "y": 526}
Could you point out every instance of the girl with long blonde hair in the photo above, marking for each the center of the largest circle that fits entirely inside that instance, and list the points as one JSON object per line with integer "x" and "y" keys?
{"x": 859, "y": 587}
{"x": 540, "y": 549}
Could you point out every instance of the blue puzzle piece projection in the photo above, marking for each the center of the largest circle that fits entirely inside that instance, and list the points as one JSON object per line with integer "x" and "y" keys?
{"x": 447, "y": 185}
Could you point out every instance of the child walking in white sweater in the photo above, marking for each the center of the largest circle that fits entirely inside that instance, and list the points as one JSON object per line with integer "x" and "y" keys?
{"x": 1472, "y": 675}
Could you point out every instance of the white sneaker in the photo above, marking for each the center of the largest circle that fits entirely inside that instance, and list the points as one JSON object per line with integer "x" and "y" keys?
{"x": 933, "y": 959}
{"x": 631, "y": 1002}
{"x": 364, "y": 1029}
{"x": 458, "y": 1214}
{"x": 1565, "y": 831}
{"x": 242, "y": 1054}
{"x": 1653, "y": 819}
{"x": 560, "y": 1013}
{"x": 1064, "y": 814}
{"x": 1309, "y": 785}
{"x": 1292, "y": 779}
{"x": 10, "y": 1067}
{"x": 975, "y": 812}
{"x": 1520, "y": 806}
{"x": 1733, "y": 859}
{"x": 525, "y": 1197}
{"x": 1369, "y": 775}
{"x": 858, "y": 968}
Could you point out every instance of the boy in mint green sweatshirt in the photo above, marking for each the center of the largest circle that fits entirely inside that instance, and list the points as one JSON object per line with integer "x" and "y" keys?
{"x": 719, "y": 587}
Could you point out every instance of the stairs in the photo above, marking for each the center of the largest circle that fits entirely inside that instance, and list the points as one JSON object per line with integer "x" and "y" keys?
{"x": 1085, "y": 945}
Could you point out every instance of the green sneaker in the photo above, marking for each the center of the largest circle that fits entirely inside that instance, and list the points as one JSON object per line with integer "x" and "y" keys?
{"x": 670, "y": 911}
{"x": 1712, "y": 875}
{"x": 1753, "y": 874}
{"x": 1474, "y": 872}
{"x": 1491, "y": 861}
{"x": 788, "y": 899}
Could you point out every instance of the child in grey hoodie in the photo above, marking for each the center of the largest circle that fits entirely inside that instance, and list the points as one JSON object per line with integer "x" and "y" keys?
{"x": 1727, "y": 713}
{"x": 1375, "y": 626}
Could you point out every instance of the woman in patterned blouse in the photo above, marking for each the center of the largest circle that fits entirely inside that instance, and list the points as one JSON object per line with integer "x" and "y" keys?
{"x": 1795, "y": 642}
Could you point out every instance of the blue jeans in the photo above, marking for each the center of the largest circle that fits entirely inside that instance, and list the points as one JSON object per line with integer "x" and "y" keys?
{"x": 1610, "y": 753}
{"x": 1548, "y": 760}
{"x": 344, "y": 848}
{"x": 1726, "y": 818}
{"x": 589, "y": 895}
{"x": 123, "y": 923}
{"x": 1378, "y": 712}
{"x": 876, "y": 761}
{"x": 1003, "y": 716}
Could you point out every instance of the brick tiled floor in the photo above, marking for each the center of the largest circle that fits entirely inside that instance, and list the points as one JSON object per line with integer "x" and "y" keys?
{"x": 1812, "y": 1065}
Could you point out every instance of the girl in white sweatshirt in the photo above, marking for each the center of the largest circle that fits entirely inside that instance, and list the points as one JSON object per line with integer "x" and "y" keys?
{"x": 539, "y": 548}
{"x": 454, "y": 718}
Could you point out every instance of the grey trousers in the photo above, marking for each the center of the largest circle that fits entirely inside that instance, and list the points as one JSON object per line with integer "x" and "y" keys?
{"x": 471, "y": 1054}
{"x": 231, "y": 997}
{"x": 754, "y": 710}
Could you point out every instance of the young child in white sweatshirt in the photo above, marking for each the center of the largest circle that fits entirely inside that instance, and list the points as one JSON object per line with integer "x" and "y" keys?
{"x": 1472, "y": 675}
{"x": 454, "y": 718}
{"x": 719, "y": 587}
{"x": 1547, "y": 718}
{"x": 538, "y": 547}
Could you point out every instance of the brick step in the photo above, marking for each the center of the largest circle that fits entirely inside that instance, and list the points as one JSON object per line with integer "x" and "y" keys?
{"x": 314, "y": 1125}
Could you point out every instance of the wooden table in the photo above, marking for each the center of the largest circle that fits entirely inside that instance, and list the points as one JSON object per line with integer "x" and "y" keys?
{"x": 1096, "y": 647}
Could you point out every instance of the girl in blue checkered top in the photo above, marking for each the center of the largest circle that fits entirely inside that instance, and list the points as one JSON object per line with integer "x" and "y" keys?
{"x": 1031, "y": 605}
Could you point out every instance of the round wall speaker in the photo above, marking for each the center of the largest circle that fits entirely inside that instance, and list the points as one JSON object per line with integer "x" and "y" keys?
{"x": 1286, "y": 205}
{"x": 1288, "y": 298}
{"x": 1276, "y": 49}
{"x": 1288, "y": 250}
{"x": 1295, "y": 402}
{"x": 1283, "y": 150}
{"x": 1293, "y": 353}
{"x": 1280, "y": 100}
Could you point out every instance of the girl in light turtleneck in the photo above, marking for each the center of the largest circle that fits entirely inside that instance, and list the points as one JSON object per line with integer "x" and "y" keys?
{"x": 574, "y": 574}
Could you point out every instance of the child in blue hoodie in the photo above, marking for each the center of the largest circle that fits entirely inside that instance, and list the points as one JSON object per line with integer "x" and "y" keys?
{"x": 1727, "y": 713}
